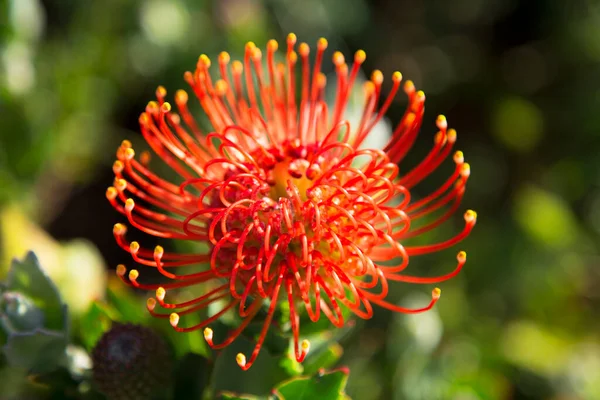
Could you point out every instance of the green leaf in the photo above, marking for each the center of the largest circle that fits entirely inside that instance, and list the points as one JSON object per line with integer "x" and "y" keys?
{"x": 129, "y": 307}
{"x": 95, "y": 322}
{"x": 326, "y": 358}
{"x": 234, "y": 396}
{"x": 289, "y": 364}
{"x": 28, "y": 278}
{"x": 325, "y": 386}
{"x": 39, "y": 351}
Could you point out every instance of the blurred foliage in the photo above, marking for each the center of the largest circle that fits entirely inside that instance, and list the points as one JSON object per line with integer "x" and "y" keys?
{"x": 73, "y": 265}
{"x": 518, "y": 79}
{"x": 33, "y": 318}
{"x": 34, "y": 326}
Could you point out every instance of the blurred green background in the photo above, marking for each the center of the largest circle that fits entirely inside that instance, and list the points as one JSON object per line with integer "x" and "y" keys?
{"x": 519, "y": 80}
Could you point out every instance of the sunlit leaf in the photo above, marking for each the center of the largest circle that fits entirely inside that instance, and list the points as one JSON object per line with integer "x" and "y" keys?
{"x": 326, "y": 386}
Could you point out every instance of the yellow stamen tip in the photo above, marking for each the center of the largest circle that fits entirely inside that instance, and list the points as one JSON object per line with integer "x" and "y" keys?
{"x": 421, "y": 95}
{"x": 204, "y": 60}
{"x": 459, "y": 157}
{"x": 125, "y": 144}
{"x": 338, "y": 58}
{"x": 250, "y": 45}
{"x": 293, "y": 57}
{"x": 144, "y": 119}
{"x": 174, "y": 319}
{"x": 237, "y": 67}
{"x": 224, "y": 57}
{"x": 451, "y": 134}
{"x": 134, "y": 247}
{"x": 305, "y": 345}
{"x": 129, "y": 204}
{"x": 152, "y": 107}
{"x": 111, "y": 193}
{"x": 441, "y": 122}
{"x": 120, "y": 184}
{"x": 377, "y": 77}
{"x": 161, "y": 91}
{"x": 462, "y": 256}
{"x": 291, "y": 38}
{"x": 396, "y": 76}
{"x": 465, "y": 170}
{"x": 470, "y": 216}
{"x": 160, "y": 293}
{"x": 118, "y": 166}
{"x": 322, "y": 43}
{"x": 129, "y": 153}
{"x": 256, "y": 54}
{"x": 321, "y": 80}
{"x": 304, "y": 49}
{"x": 151, "y": 304}
{"x": 159, "y": 251}
{"x": 119, "y": 229}
{"x": 181, "y": 96}
{"x": 166, "y": 107}
{"x": 134, "y": 274}
{"x": 272, "y": 45}
{"x": 241, "y": 359}
{"x": 221, "y": 87}
{"x": 360, "y": 56}
{"x": 436, "y": 293}
{"x": 121, "y": 270}
{"x": 208, "y": 334}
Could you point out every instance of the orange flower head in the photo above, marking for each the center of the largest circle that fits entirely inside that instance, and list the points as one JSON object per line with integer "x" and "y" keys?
{"x": 291, "y": 207}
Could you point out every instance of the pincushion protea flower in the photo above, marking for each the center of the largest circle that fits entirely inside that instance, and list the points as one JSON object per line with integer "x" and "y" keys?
{"x": 292, "y": 208}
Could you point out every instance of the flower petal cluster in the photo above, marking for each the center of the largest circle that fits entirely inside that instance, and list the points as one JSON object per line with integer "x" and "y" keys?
{"x": 292, "y": 208}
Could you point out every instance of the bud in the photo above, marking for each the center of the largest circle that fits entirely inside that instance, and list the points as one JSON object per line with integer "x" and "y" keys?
{"x": 131, "y": 362}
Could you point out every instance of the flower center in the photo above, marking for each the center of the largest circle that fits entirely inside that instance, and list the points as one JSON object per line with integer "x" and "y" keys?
{"x": 300, "y": 208}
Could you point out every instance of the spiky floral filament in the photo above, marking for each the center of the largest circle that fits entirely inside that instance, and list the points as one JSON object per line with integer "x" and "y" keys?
{"x": 283, "y": 194}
